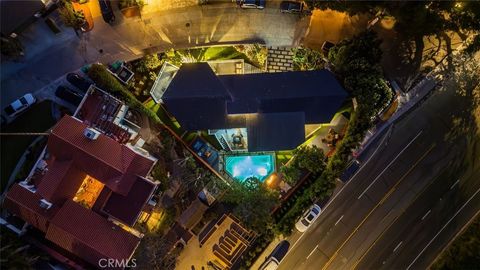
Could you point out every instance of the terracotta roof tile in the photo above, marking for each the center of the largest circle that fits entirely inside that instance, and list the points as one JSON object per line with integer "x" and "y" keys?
{"x": 61, "y": 181}
{"x": 26, "y": 205}
{"x": 89, "y": 235}
{"x": 108, "y": 161}
{"x": 127, "y": 208}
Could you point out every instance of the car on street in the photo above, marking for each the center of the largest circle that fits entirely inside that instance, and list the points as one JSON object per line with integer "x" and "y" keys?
{"x": 258, "y": 4}
{"x": 20, "y": 105}
{"x": 293, "y": 7}
{"x": 78, "y": 81}
{"x": 308, "y": 218}
{"x": 273, "y": 260}
{"x": 107, "y": 11}
{"x": 69, "y": 95}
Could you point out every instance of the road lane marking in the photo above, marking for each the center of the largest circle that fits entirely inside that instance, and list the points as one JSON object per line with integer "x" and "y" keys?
{"x": 454, "y": 184}
{"x": 340, "y": 191}
{"x": 399, "y": 244}
{"x": 461, "y": 231}
{"x": 443, "y": 228}
{"x": 391, "y": 223}
{"x": 387, "y": 135}
{"x": 313, "y": 250}
{"x": 338, "y": 220}
{"x": 426, "y": 214}
{"x": 374, "y": 208}
{"x": 391, "y": 162}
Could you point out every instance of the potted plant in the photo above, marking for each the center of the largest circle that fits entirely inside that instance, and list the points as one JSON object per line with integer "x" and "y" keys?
{"x": 130, "y": 8}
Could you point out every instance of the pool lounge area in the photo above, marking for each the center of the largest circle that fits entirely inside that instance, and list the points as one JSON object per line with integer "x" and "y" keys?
{"x": 241, "y": 167}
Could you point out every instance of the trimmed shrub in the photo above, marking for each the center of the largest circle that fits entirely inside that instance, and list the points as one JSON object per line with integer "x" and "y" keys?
{"x": 106, "y": 81}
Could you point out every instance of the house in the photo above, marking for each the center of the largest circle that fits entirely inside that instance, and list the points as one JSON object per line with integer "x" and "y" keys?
{"x": 272, "y": 109}
{"x": 85, "y": 193}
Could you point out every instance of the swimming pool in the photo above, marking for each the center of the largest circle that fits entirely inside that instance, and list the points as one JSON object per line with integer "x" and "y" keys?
{"x": 243, "y": 167}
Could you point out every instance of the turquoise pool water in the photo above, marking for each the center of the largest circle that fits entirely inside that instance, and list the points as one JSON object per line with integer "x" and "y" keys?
{"x": 243, "y": 167}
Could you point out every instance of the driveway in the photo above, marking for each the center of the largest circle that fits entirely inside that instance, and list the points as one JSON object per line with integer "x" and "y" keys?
{"x": 334, "y": 26}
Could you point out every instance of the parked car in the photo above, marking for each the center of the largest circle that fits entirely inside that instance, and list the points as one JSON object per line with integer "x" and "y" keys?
{"x": 20, "y": 105}
{"x": 107, "y": 11}
{"x": 258, "y": 4}
{"x": 69, "y": 95}
{"x": 273, "y": 260}
{"x": 308, "y": 218}
{"x": 293, "y": 7}
{"x": 78, "y": 81}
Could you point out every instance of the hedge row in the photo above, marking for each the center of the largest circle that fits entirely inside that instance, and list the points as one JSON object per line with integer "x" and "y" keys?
{"x": 319, "y": 189}
{"x": 106, "y": 81}
{"x": 256, "y": 248}
{"x": 357, "y": 62}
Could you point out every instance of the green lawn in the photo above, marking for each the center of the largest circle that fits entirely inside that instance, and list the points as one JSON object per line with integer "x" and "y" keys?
{"x": 218, "y": 53}
{"x": 207, "y": 54}
{"x": 163, "y": 115}
{"x": 36, "y": 119}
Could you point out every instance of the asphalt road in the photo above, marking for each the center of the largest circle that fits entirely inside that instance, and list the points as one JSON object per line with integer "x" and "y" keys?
{"x": 416, "y": 190}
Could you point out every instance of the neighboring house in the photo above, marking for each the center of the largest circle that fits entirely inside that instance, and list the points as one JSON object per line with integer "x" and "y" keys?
{"x": 14, "y": 14}
{"x": 273, "y": 107}
{"x": 88, "y": 190}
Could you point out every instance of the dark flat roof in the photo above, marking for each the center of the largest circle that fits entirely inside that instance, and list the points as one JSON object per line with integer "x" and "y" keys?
{"x": 284, "y": 102}
{"x": 194, "y": 80}
{"x": 273, "y": 131}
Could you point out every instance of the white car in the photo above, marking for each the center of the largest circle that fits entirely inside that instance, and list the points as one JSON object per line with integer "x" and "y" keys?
{"x": 308, "y": 218}
{"x": 20, "y": 105}
{"x": 247, "y": 4}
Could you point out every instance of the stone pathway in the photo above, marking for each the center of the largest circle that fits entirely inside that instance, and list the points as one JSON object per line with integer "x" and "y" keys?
{"x": 279, "y": 59}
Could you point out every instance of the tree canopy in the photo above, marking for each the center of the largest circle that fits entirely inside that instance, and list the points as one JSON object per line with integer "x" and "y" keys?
{"x": 306, "y": 59}
{"x": 357, "y": 61}
{"x": 415, "y": 17}
{"x": 306, "y": 158}
{"x": 252, "y": 202}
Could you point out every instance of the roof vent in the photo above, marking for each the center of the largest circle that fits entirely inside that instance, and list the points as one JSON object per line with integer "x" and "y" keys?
{"x": 28, "y": 186}
{"x": 91, "y": 133}
{"x": 152, "y": 202}
{"x": 45, "y": 204}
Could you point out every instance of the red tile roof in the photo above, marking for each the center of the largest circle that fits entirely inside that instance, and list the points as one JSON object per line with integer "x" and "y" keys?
{"x": 61, "y": 181}
{"x": 89, "y": 235}
{"x": 53, "y": 178}
{"x": 74, "y": 228}
{"x": 114, "y": 164}
{"x": 26, "y": 204}
{"x": 127, "y": 208}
